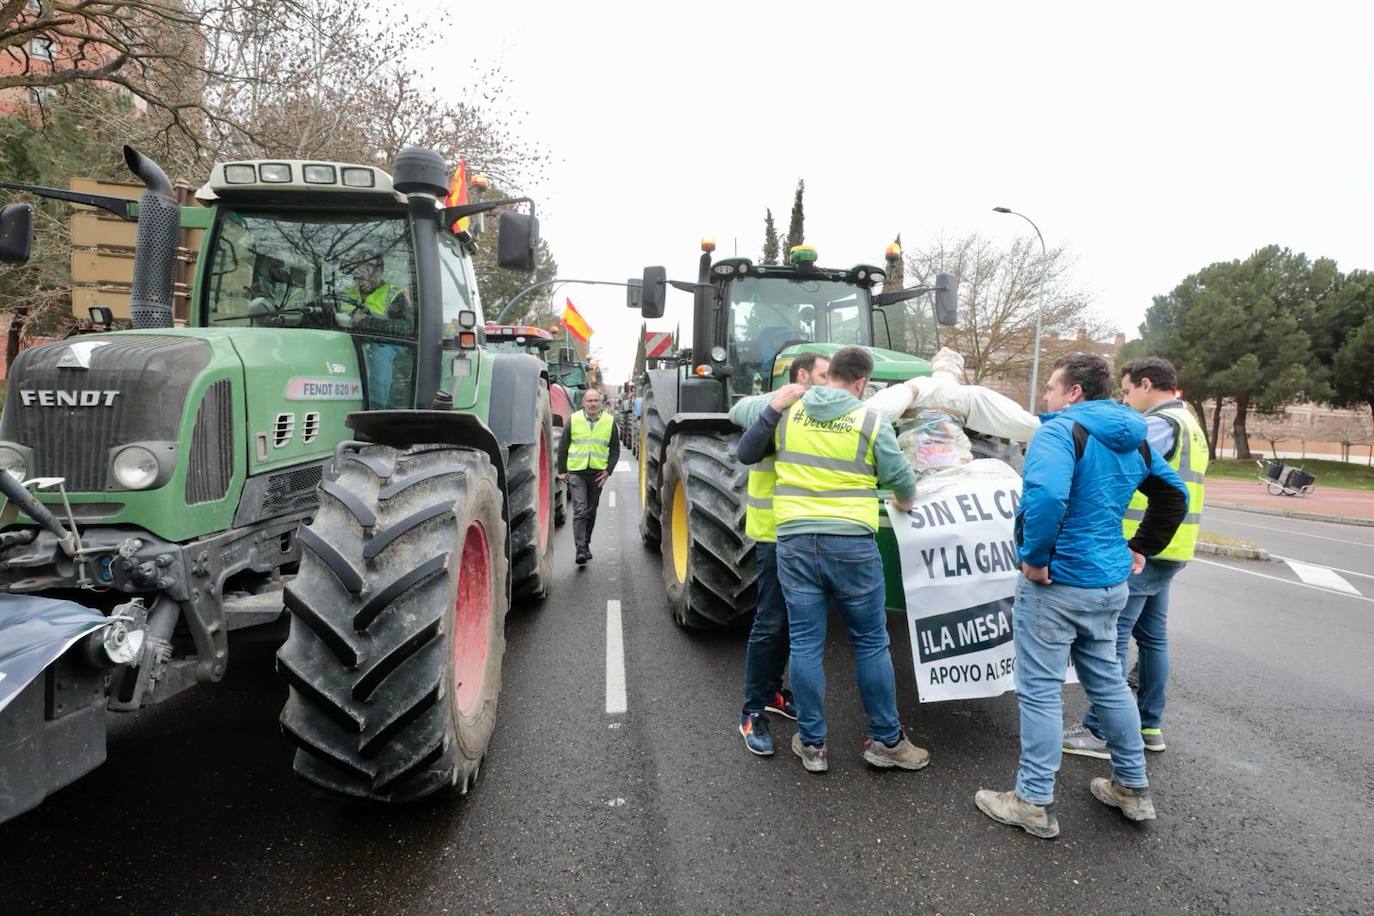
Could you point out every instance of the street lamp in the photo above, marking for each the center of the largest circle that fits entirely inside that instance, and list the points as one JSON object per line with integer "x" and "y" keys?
{"x": 1039, "y": 308}
{"x": 509, "y": 306}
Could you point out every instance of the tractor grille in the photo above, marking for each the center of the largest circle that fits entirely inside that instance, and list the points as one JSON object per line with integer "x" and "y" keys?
{"x": 269, "y": 495}
{"x": 211, "y": 463}
{"x": 134, "y": 390}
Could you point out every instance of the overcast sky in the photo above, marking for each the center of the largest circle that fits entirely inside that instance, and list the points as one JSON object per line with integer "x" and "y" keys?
{"x": 1150, "y": 142}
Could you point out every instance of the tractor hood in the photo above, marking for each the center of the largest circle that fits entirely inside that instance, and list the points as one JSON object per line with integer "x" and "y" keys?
{"x": 888, "y": 365}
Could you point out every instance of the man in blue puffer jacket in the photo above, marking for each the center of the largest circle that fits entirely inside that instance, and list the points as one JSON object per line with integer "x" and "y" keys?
{"x": 1085, "y": 462}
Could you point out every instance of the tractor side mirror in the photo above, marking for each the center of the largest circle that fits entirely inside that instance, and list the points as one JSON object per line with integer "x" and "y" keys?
{"x": 653, "y": 292}
{"x": 517, "y": 238}
{"x": 947, "y": 299}
{"x": 16, "y": 233}
{"x": 634, "y": 288}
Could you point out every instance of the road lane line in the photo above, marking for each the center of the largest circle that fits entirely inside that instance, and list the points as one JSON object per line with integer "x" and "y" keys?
{"x": 1300, "y": 534}
{"x": 1320, "y": 575}
{"x": 613, "y": 499}
{"x": 1251, "y": 572}
{"x": 615, "y": 660}
{"x": 1344, "y": 572}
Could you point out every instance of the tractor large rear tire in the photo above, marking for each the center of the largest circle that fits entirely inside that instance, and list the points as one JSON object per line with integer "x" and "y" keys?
{"x": 397, "y": 625}
{"x": 530, "y": 477}
{"x": 709, "y": 569}
{"x": 652, "y": 428}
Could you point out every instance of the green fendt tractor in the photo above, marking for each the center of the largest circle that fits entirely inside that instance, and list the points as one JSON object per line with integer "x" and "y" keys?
{"x": 749, "y": 322}
{"x": 326, "y": 435}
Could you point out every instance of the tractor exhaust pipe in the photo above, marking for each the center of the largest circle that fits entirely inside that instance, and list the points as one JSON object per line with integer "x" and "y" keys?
{"x": 159, "y": 224}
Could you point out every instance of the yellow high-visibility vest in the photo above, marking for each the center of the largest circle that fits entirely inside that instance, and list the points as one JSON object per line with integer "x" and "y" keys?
{"x": 375, "y": 301}
{"x": 591, "y": 445}
{"x": 825, "y": 468}
{"x": 759, "y": 523}
{"x": 1190, "y": 462}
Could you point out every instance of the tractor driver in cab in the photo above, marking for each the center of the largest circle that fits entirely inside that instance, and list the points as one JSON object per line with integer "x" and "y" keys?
{"x": 372, "y": 305}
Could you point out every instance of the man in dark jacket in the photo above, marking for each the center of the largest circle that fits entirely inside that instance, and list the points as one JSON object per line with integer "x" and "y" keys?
{"x": 1082, "y": 467}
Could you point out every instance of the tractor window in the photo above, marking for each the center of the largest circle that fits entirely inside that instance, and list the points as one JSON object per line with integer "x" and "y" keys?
{"x": 768, "y": 313}
{"x": 348, "y": 273}
{"x": 459, "y": 285}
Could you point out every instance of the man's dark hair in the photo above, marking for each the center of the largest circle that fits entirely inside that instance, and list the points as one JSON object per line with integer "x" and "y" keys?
{"x": 849, "y": 364}
{"x": 1089, "y": 372}
{"x": 1160, "y": 372}
{"x": 805, "y": 362}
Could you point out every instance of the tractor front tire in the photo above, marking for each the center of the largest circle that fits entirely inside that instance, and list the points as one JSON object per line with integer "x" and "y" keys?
{"x": 397, "y": 625}
{"x": 530, "y": 478}
{"x": 652, "y": 428}
{"x": 709, "y": 569}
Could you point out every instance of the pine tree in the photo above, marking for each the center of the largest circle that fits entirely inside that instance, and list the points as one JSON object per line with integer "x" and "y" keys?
{"x": 795, "y": 232}
{"x": 770, "y": 240}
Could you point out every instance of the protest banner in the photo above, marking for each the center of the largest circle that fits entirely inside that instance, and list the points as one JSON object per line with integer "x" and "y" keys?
{"x": 959, "y": 571}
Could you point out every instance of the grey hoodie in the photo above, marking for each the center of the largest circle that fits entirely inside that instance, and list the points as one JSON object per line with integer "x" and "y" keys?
{"x": 824, "y": 403}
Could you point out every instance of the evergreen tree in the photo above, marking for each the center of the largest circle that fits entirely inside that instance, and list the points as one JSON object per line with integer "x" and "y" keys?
{"x": 795, "y": 231}
{"x": 770, "y": 239}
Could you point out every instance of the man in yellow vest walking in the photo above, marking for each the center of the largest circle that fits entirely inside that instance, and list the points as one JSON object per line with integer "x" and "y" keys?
{"x": 832, "y": 454}
{"x": 588, "y": 453}
{"x": 1150, "y": 386}
{"x": 765, "y": 658}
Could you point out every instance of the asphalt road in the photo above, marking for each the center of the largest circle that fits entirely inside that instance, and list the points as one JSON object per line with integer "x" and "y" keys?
{"x": 1266, "y": 793}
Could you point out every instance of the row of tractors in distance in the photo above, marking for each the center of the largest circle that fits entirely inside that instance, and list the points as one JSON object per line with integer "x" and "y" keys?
{"x": 749, "y": 322}
{"x": 329, "y": 435}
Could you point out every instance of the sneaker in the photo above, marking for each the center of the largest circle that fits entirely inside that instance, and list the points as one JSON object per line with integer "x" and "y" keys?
{"x": 756, "y": 737}
{"x": 782, "y": 704}
{"x": 813, "y": 758}
{"x": 1135, "y": 804}
{"x": 1080, "y": 740}
{"x": 1009, "y": 808}
{"x": 904, "y": 755}
{"x": 1154, "y": 739}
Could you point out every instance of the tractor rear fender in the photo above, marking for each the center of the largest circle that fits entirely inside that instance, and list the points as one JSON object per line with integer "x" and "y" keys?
{"x": 514, "y": 413}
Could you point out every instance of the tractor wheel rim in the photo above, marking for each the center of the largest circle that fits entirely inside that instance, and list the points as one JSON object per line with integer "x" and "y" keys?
{"x": 472, "y": 619}
{"x": 542, "y": 482}
{"x": 680, "y": 532}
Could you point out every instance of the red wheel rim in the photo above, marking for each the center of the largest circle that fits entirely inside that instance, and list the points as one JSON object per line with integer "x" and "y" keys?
{"x": 472, "y": 619}
{"x": 545, "y": 500}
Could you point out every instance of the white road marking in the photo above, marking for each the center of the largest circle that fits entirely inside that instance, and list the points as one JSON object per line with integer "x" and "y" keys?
{"x": 1334, "y": 569}
{"x": 1301, "y": 534}
{"x": 622, "y": 467}
{"x": 615, "y": 661}
{"x": 1251, "y": 572}
{"x": 613, "y": 499}
{"x": 1321, "y": 575}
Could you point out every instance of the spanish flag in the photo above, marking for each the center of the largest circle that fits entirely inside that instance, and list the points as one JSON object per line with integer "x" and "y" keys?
{"x": 458, "y": 193}
{"x": 577, "y": 325}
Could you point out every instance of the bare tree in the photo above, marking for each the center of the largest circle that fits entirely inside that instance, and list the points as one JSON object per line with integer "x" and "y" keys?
{"x": 998, "y": 300}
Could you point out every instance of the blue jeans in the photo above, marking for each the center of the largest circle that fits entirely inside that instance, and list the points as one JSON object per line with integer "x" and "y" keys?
{"x": 381, "y": 361}
{"x": 766, "y": 656}
{"x": 1146, "y": 616}
{"x": 1050, "y": 624}
{"x": 815, "y": 569}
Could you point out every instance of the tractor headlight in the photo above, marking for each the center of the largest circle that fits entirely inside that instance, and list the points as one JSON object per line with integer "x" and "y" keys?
{"x": 12, "y": 463}
{"x": 135, "y": 468}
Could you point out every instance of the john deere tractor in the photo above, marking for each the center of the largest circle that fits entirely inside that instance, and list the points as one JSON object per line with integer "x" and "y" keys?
{"x": 326, "y": 436}
{"x": 749, "y": 322}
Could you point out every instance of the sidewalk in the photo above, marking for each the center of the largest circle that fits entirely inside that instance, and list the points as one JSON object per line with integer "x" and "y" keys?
{"x": 1324, "y": 503}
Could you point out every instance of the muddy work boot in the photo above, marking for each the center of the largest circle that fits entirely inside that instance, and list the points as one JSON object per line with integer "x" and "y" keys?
{"x": 1010, "y": 808}
{"x": 1135, "y": 804}
{"x": 904, "y": 755}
